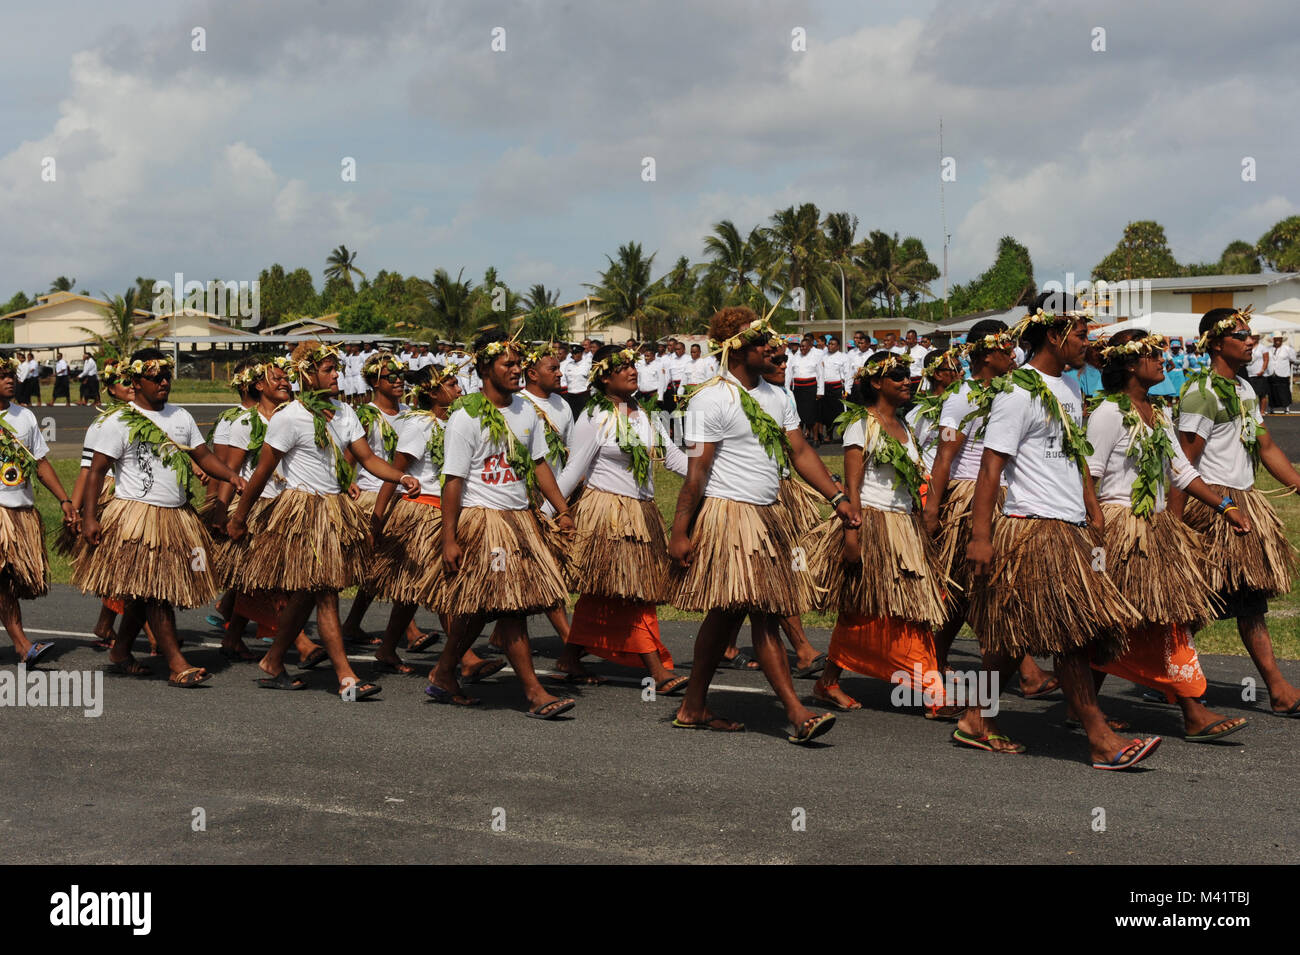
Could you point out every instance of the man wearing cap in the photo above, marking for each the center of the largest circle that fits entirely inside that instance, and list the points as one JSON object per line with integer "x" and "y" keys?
{"x": 1280, "y": 357}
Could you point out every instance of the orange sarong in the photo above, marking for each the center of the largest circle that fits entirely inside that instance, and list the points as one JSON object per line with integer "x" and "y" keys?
{"x": 618, "y": 630}
{"x": 115, "y": 605}
{"x": 262, "y": 610}
{"x": 884, "y": 647}
{"x": 1161, "y": 657}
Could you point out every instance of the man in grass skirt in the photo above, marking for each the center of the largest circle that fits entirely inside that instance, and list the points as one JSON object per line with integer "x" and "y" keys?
{"x": 149, "y": 547}
{"x": 1038, "y": 587}
{"x": 1222, "y": 433}
{"x": 733, "y": 549}
{"x": 308, "y": 541}
{"x": 24, "y": 565}
{"x": 498, "y": 562}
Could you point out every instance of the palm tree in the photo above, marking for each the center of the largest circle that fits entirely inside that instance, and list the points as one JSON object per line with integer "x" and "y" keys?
{"x": 537, "y": 297}
{"x": 735, "y": 260}
{"x": 62, "y": 284}
{"x": 894, "y": 269}
{"x": 452, "y": 304}
{"x": 800, "y": 259}
{"x": 123, "y": 336}
{"x": 339, "y": 265}
{"x": 626, "y": 295}
{"x": 839, "y": 239}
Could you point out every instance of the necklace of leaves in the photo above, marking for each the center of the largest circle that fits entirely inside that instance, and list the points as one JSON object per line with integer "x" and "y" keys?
{"x": 883, "y": 449}
{"x": 770, "y": 436}
{"x": 981, "y": 399}
{"x": 230, "y": 414}
{"x": 1074, "y": 440}
{"x": 479, "y": 407}
{"x": 436, "y": 446}
{"x": 556, "y": 449}
{"x": 628, "y": 439}
{"x": 322, "y": 409}
{"x": 1226, "y": 390}
{"x": 145, "y": 430}
{"x": 1151, "y": 446}
{"x": 368, "y": 414}
{"x": 931, "y": 402}
{"x": 13, "y": 451}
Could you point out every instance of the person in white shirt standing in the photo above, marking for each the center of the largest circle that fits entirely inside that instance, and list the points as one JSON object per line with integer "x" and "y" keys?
{"x": 89, "y": 378}
{"x": 1280, "y": 360}
{"x": 837, "y": 378}
{"x": 698, "y": 370}
{"x": 675, "y": 368}
{"x": 575, "y": 378}
{"x": 24, "y": 564}
{"x": 731, "y": 542}
{"x": 149, "y": 547}
{"x": 916, "y": 353}
{"x": 803, "y": 376}
{"x": 1257, "y": 371}
{"x": 650, "y": 377}
{"x": 61, "y": 379}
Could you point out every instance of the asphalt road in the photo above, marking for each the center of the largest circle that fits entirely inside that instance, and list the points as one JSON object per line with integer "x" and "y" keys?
{"x": 303, "y": 777}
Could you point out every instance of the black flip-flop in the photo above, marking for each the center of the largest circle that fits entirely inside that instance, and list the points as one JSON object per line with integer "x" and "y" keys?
{"x": 238, "y": 655}
{"x": 485, "y": 670}
{"x": 363, "y": 691}
{"x": 1205, "y": 736}
{"x": 1047, "y": 689}
{"x": 555, "y": 708}
{"x": 740, "y": 661}
{"x": 437, "y": 694}
{"x": 282, "y": 682}
{"x": 812, "y": 669}
{"x": 313, "y": 659}
{"x": 734, "y": 727}
{"x": 809, "y": 730}
{"x": 422, "y": 645}
{"x": 128, "y": 667}
{"x": 672, "y": 686}
{"x": 1292, "y": 713}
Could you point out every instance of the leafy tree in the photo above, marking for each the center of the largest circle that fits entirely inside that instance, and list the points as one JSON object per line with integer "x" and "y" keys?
{"x": 19, "y": 301}
{"x": 1142, "y": 253}
{"x": 537, "y": 297}
{"x": 362, "y": 317}
{"x": 340, "y": 264}
{"x": 734, "y": 260}
{"x": 123, "y": 335}
{"x": 63, "y": 284}
{"x": 337, "y": 294}
{"x": 799, "y": 259}
{"x": 894, "y": 269}
{"x": 451, "y": 303}
{"x": 626, "y": 295}
{"x": 544, "y": 324}
{"x": 1279, "y": 247}
{"x": 1007, "y": 283}
{"x": 1239, "y": 258}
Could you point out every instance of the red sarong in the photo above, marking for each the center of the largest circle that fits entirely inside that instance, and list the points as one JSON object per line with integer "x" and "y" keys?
{"x": 618, "y": 630}
{"x": 1163, "y": 658}
{"x": 884, "y": 647}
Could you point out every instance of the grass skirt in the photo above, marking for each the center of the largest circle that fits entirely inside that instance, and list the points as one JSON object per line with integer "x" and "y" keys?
{"x": 898, "y": 577}
{"x": 148, "y": 552}
{"x": 1042, "y": 595}
{"x": 1261, "y": 561}
{"x": 408, "y": 565}
{"x": 955, "y": 523}
{"x": 507, "y": 567}
{"x": 66, "y": 540}
{"x": 1156, "y": 564}
{"x": 24, "y": 566}
{"x": 803, "y": 504}
{"x": 743, "y": 558}
{"x": 620, "y": 549}
{"x": 300, "y": 542}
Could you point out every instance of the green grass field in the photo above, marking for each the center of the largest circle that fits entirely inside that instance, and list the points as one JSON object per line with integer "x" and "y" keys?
{"x": 1219, "y": 637}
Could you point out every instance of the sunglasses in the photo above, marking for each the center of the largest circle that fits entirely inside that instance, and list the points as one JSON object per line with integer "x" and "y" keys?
{"x": 899, "y": 374}
{"x": 161, "y": 376}
{"x": 780, "y": 359}
{"x": 393, "y": 379}
{"x": 1240, "y": 335}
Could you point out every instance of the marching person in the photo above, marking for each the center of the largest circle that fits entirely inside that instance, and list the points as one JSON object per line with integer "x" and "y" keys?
{"x": 730, "y": 546}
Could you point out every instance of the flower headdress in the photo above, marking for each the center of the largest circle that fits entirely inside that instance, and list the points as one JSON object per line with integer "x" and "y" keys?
{"x": 381, "y": 362}
{"x": 255, "y": 373}
{"x": 1148, "y": 347}
{"x": 8, "y": 365}
{"x": 439, "y": 375}
{"x": 1222, "y": 327}
{"x": 882, "y": 366}
{"x": 1041, "y": 317}
{"x": 998, "y": 341}
{"x": 492, "y": 349}
{"x": 151, "y": 367}
{"x": 756, "y": 330}
{"x": 304, "y": 366}
{"x": 612, "y": 363}
{"x": 537, "y": 354}
{"x": 114, "y": 370}
{"x": 950, "y": 357}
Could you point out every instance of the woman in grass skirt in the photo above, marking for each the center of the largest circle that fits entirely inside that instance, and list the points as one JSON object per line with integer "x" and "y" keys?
{"x": 149, "y": 546}
{"x": 308, "y": 541}
{"x": 619, "y": 557}
{"x": 1153, "y": 557}
{"x": 882, "y": 577}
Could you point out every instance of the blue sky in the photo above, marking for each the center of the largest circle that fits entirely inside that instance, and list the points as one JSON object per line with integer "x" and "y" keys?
{"x": 218, "y": 163}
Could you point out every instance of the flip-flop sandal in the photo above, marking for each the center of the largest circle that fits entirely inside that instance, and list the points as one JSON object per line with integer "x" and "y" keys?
{"x": 549, "y": 711}
{"x": 363, "y": 691}
{"x": 399, "y": 668}
{"x": 426, "y": 640}
{"x": 718, "y": 724}
{"x": 829, "y": 701}
{"x": 1146, "y": 748}
{"x": 812, "y": 669}
{"x": 102, "y": 644}
{"x": 189, "y": 678}
{"x": 128, "y": 667}
{"x": 437, "y": 694}
{"x": 282, "y": 682}
{"x": 579, "y": 679}
{"x": 1047, "y": 689}
{"x": 1119, "y": 726}
{"x": 314, "y": 659}
{"x": 962, "y": 738}
{"x": 482, "y": 671}
{"x": 1289, "y": 714}
{"x": 810, "y": 729}
{"x": 741, "y": 661}
{"x": 239, "y": 655}
{"x": 215, "y": 620}
{"x": 672, "y": 686}
{"x": 1206, "y": 736}
{"x": 36, "y": 651}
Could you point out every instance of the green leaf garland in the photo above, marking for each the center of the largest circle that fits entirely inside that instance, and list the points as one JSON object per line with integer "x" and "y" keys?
{"x": 884, "y": 449}
{"x": 1226, "y": 391}
{"x": 145, "y": 430}
{"x": 629, "y": 441}
{"x": 490, "y": 418}
{"x": 1151, "y": 446}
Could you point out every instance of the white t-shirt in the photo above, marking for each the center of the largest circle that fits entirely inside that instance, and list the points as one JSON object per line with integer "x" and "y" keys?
{"x": 837, "y": 368}
{"x": 742, "y": 470}
{"x": 490, "y": 481}
{"x": 927, "y": 435}
{"x": 877, "y": 490}
{"x": 375, "y": 438}
{"x": 240, "y": 435}
{"x": 917, "y": 354}
{"x": 29, "y": 435}
{"x": 558, "y": 413}
{"x": 1256, "y": 366}
{"x": 1042, "y": 480}
{"x": 575, "y": 377}
{"x": 1225, "y": 460}
{"x": 1280, "y": 360}
{"x": 956, "y": 407}
{"x": 138, "y": 474}
{"x": 699, "y": 370}
{"x": 650, "y": 376}
{"x": 60, "y": 367}
{"x": 413, "y": 433}
{"x": 805, "y": 369}
{"x": 1111, "y": 467}
{"x": 305, "y": 466}
{"x": 596, "y": 457}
